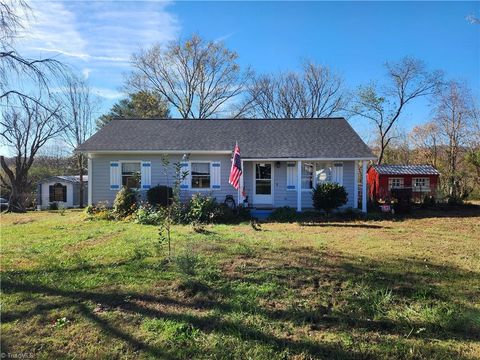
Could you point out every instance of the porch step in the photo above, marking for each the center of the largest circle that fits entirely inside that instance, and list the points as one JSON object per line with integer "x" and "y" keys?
{"x": 261, "y": 214}
{"x": 263, "y": 206}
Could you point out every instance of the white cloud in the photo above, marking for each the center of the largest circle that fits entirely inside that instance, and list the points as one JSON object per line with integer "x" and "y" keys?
{"x": 52, "y": 29}
{"x": 224, "y": 37}
{"x": 97, "y": 38}
{"x": 108, "y": 93}
{"x": 101, "y": 32}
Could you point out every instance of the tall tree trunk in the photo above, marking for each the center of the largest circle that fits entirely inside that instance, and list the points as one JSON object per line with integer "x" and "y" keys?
{"x": 382, "y": 151}
{"x": 16, "y": 202}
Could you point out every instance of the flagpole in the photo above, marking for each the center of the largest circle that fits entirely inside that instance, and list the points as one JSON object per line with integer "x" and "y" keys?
{"x": 239, "y": 187}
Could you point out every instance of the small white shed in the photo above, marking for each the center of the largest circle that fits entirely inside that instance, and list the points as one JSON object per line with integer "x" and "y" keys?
{"x": 63, "y": 190}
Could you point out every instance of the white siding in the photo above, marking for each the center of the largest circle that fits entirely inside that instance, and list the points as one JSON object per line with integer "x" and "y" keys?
{"x": 101, "y": 175}
{"x": 46, "y": 194}
{"x": 282, "y": 197}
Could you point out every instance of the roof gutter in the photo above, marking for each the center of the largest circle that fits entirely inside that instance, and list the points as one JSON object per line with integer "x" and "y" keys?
{"x": 159, "y": 152}
{"x": 223, "y": 152}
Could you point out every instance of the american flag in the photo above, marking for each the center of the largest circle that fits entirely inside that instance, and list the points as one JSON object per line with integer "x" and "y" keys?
{"x": 236, "y": 170}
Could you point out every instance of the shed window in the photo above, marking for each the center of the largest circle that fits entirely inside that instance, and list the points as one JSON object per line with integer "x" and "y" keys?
{"x": 421, "y": 184}
{"x": 200, "y": 175}
{"x": 395, "y": 183}
{"x": 131, "y": 174}
{"x": 58, "y": 193}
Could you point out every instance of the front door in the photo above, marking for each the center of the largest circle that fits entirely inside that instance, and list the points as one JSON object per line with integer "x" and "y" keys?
{"x": 263, "y": 183}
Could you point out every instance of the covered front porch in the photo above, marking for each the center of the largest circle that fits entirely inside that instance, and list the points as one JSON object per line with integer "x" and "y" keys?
{"x": 267, "y": 184}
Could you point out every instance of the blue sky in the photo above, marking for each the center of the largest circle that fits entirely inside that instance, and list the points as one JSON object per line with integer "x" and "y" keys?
{"x": 354, "y": 38}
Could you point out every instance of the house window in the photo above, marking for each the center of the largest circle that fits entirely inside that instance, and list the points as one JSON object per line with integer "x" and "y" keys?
{"x": 323, "y": 173}
{"x": 131, "y": 175}
{"x": 395, "y": 183}
{"x": 58, "y": 193}
{"x": 421, "y": 184}
{"x": 307, "y": 175}
{"x": 200, "y": 175}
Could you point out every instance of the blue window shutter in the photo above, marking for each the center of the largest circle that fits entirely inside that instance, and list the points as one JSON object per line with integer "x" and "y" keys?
{"x": 291, "y": 176}
{"x": 115, "y": 176}
{"x": 215, "y": 175}
{"x": 146, "y": 175}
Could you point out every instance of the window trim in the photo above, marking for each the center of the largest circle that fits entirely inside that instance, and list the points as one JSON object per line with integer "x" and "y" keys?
{"x": 421, "y": 188}
{"x": 396, "y": 178}
{"x": 209, "y": 175}
{"x": 315, "y": 183}
{"x": 121, "y": 162}
{"x": 64, "y": 195}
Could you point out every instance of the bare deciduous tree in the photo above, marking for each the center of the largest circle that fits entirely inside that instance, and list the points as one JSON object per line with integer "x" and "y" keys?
{"x": 425, "y": 140}
{"x": 407, "y": 80}
{"x": 454, "y": 118}
{"x": 196, "y": 77}
{"x": 26, "y": 127}
{"x": 78, "y": 107}
{"x": 17, "y": 73}
{"x": 312, "y": 93}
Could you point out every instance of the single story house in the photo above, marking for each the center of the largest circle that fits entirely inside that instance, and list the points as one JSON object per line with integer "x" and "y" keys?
{"x": 64, "y": 190}
{"x": 282, "y": 159}
{"x": 422, "y": 179}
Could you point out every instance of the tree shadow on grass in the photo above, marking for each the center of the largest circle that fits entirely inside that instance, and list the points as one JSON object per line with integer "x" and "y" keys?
{"x": 405, "y": 282}
{"x": 344, "y": 224}
{"x": 307, "y": 268}
{"x": 209, "y": 324}
{"x": 463, "y": 211}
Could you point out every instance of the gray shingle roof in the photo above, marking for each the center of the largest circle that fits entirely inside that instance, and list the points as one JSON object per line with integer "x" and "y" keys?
{"x": 257, "y": 138}
{"x": 406, "y": 170}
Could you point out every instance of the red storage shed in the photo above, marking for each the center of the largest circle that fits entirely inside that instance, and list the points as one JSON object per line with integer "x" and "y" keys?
{"x": 381, "y": 179}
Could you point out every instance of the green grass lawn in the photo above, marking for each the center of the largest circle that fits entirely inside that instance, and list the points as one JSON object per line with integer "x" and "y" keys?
{"x": 79, "y": 289}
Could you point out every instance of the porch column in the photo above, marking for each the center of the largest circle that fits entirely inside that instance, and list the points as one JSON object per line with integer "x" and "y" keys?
{"x": 299, "y": 186}
{"x": 90, "y": 180}
{"x": 355, "y": 185}
{"x": 240, "y": 189}
{"x": 364, "y": 186}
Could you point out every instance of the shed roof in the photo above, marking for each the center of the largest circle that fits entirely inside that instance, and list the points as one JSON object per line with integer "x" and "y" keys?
{"x": 67, "y": 178}
{"x": 258, "y": 138}
{"x": 406, "y": 170}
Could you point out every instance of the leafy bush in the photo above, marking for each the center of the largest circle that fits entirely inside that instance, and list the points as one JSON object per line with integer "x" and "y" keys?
{"x": 243, "y": 214}
{"x": 99, "y": 211}
{"x": 198, "y": 211}
{"x": 125, "y": 202}
{"x": 90, "y": 210}
{"x": 148, "y": 215}
{"x": 202, "y": 209}
{"x": 225, "y": 215}
{"x": 454, "y": 200}
{"x": 350, "y": 214}
{"x": 310, "y": 216}
{"x": 428, "y": 200}
{"x": 329, "y": 196}
{"x": 53, "y": 206}
{"x": 159, "y": 195}
{"x": 283, "y": 214}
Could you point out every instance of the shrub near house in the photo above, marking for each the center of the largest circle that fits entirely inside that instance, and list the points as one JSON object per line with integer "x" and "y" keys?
{"x": 329, "y": 196}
